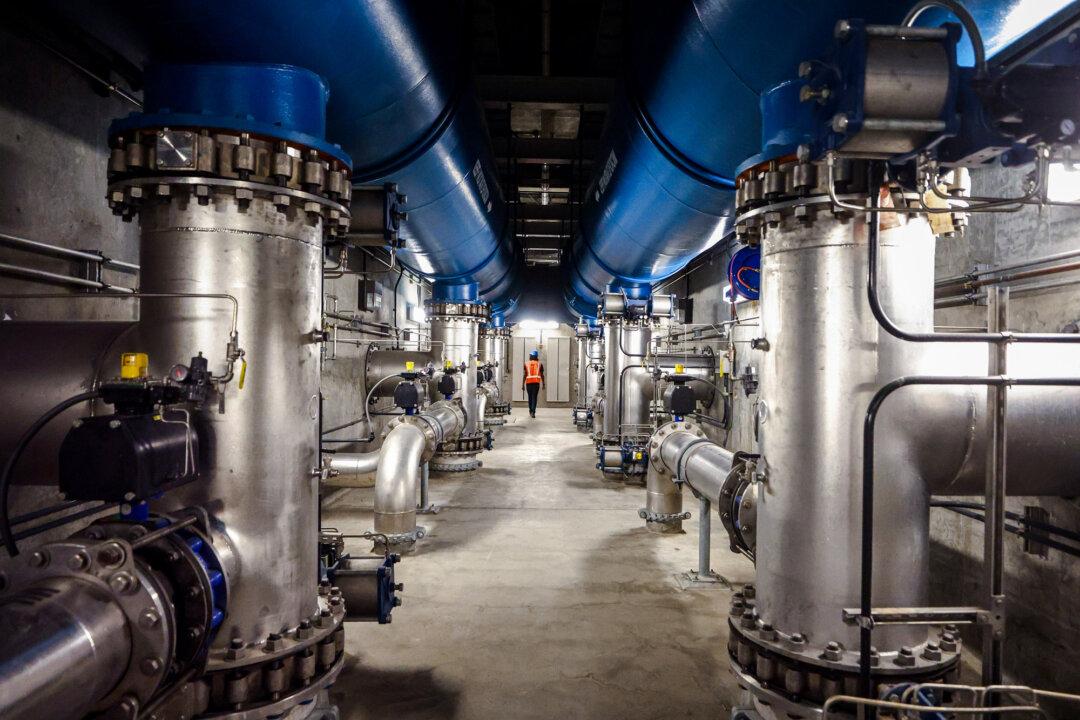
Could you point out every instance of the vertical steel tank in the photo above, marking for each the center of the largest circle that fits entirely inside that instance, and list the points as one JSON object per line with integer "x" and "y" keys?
{"x": 232, "y": 222}
{"x": 456, "y": 314}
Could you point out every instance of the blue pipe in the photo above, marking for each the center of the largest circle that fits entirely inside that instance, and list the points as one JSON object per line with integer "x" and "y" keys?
{"x": 400, "y": 106}
{"x": 662, "y": 192}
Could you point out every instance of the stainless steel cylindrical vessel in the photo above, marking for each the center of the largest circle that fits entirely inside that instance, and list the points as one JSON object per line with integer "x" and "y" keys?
{"x": 64, "y": 644}
{"x": 581, "y": 358}
{"x": 381, "y": 363}
{"x": 628, "y": 387}
{"x": 594, "y": 356}
{"x": 827, "y": 356}
{"x": 455, "y": 339}
{"x": 494, "y": 349}
{"x": 260, "y": 456}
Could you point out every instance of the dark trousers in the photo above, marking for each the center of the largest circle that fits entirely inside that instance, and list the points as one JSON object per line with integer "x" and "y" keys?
{"x": 534, "y": 391}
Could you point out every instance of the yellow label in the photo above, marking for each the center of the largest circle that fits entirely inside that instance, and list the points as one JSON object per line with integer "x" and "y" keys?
{"x": 243, "y": 374}
{"x": 134, "y": 365}
{"x": 940, "y": 223}
{"x": 679, "y": 367}
{"x": 409, "y": 365}
{"x": 449, "y": 365}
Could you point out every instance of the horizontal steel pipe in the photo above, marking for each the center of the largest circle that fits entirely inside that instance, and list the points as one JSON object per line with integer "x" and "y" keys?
{"x": 64, "y": 645}
{"x": 350, "y": 469}
{"x": 701, "y": 465}
{"x": 382, "y": 364}
{"x": 949, "y": 428}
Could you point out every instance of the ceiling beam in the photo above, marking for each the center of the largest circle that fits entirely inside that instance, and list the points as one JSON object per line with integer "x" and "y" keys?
{"x": 544, "y": 150}
{"x": 533, "y": 211}
{"x": 594, "y": 93}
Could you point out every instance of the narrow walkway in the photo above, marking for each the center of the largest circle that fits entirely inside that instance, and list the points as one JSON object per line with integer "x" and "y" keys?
{"x": 538, "y": 593}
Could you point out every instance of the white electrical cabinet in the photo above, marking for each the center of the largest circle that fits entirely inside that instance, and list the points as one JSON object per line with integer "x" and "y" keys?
{"x": 555, "y": 356}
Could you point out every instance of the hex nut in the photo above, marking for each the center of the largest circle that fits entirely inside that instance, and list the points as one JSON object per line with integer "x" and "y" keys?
{"x": 932, "y": 651}
{"x": 833, "y": 652}
{"x": 39, "y": 559}
{"x": 905, "y": 658}
{"x": 149, "y": 618}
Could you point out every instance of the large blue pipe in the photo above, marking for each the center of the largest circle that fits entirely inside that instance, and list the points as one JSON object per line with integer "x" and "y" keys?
{"x": 401, "y": 106}
{"x": 662, "y": 192}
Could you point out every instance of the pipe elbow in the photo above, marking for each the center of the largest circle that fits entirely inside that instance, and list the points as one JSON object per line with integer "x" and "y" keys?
{"x": 397, "y": 478}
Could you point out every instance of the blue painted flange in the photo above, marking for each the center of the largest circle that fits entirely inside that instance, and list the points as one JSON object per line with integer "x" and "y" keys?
{"x": 278, "y": 101}
{"x": 744, "y": 273}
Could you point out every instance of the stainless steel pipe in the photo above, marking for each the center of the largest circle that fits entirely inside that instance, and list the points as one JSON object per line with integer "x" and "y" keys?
{"x": 397, "y": 479}
{"x": 930, "y": 439}
{"x": 827, "y": 356}
{"x": 64, "y": 645}
{"x": 627, "y": 382}
{"x": 456, "y": 338}
{"x": 351, "y": 468}
{"x": 410, "y": 442}
{"x": 680, "y": 453}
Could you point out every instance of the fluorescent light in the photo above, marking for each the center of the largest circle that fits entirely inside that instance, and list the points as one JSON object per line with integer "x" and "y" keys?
{"x": 1063, "y": 183}
{"x": 538, "y": 325}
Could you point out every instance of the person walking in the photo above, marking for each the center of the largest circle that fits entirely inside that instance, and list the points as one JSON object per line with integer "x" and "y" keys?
{"x": 533, "y": 380}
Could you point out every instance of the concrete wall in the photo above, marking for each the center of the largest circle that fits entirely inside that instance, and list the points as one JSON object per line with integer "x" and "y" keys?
{"x": 53, "y": 155}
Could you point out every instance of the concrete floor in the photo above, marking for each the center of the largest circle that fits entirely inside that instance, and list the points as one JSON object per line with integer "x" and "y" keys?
{"x": 538, "y": 593}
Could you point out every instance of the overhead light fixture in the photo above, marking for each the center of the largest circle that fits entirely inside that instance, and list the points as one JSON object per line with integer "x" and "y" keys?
{"x": 538, "y": 324}
{"x": 1063, "y": 183}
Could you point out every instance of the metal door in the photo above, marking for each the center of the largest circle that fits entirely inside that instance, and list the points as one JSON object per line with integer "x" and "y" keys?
{"x": 556, "y": 359}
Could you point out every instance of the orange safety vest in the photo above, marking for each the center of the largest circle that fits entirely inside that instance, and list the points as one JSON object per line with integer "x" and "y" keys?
{"x": 532, "y": 372}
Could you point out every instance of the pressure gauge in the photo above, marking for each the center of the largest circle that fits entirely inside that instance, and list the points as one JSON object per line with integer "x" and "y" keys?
{"x": 179, "y": 373}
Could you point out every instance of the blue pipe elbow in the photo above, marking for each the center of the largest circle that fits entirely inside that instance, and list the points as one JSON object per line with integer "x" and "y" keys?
{"x": 399, "y": 105}
{"x": 663, "y": 191}
{"x": 690, "y": 117}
